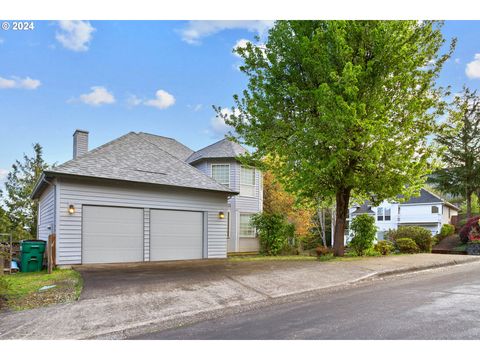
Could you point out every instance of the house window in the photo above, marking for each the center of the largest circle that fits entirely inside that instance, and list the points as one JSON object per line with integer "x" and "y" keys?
{"x": 434, "y": 209}
{"x": 380, "y": 214}
{"x": 388, "y": 214}
{"x": 246, "y": 228}
{"x": 247, "y": 181}
{"x": 221, "y": 173}
{"x": 380, "y": 235}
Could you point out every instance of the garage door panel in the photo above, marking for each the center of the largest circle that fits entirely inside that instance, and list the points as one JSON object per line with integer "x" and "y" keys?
{"x": 176, "y": 235}
{"x": 112, "y": 235}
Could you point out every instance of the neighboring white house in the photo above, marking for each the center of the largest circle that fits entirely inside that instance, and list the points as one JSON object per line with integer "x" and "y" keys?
{"x": 427, "y": 210}
{"x": 144, "y": 197}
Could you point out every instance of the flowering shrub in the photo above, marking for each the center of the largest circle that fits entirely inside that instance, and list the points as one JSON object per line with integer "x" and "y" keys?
{"x": 472, "y": 225}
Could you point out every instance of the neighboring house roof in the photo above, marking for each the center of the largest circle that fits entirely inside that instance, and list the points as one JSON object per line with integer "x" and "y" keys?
{"x": 365, "y": 208}
{"x": 138, "y": 157}
{"x": 427, "y": 197}
{"x": 221, "y": 149}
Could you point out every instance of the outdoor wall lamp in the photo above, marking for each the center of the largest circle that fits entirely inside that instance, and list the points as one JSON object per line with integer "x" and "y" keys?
{"x": 71, "y": 209}
{"x": 221, "y": 215}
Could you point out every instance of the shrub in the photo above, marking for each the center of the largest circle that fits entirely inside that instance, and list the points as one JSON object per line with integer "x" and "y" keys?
{"x": 447, "y": 230}
{"x": 322, "y": 250}
{"x": 384, "y": 247}
{"x": 372, "y": 252}
{"x": 364, "y": 231}
{"x": 274, "y": 232}
{"x": 471, "y": 224}
{"x": 421, "y": 236}
{"x": 407, "y": 246}
{"x": 3, "y": 290}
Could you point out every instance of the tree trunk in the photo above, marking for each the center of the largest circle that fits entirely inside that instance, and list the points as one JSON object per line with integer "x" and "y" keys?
{"x": 469, "y": 204}
{"x": 324, "y": 233}
{"x": 343, "y": 198}
{"x": 332, "y": 226}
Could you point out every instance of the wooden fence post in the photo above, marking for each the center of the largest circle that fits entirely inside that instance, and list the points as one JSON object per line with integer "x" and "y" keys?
{"x": 51, "y": 253}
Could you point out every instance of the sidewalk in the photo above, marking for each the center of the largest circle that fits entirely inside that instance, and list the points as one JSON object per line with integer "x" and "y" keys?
{"x": 219, "y": 287}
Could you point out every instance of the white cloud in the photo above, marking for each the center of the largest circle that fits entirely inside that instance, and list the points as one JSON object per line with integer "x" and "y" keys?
{"x": 196, "y": 30}
{"x": 473, "y": 68}
{"x": 19, "y": 83}
{"x": 217, "y": 123}
{"x": 162, "y": 100}
{"x": 75, "y": 34}
{"x": 195, "y": 108}
{"x": 98, "y": 96}
{"x": 133, "y": 100}
{"x": 3, "y": 175}
{"x": 242, "y": 44}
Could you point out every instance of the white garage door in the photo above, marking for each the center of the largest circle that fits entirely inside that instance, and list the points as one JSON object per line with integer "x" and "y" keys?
{"x": 176, "y": 235}
{"x": 111, "y": 235}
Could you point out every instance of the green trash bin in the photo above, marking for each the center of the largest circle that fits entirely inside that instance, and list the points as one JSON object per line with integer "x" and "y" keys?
{"x": 31, "y": 255}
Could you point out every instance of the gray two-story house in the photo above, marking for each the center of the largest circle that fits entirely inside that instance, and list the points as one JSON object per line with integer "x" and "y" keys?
{"x": 219, "y": 161}
{"x": 143, "y": 197}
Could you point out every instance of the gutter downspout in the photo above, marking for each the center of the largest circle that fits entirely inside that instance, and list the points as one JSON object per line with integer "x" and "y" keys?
{"x": 54, "y": 230}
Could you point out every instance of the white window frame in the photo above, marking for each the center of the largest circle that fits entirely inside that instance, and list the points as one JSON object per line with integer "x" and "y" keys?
{"x": 380, "y": 214}
{"x": 385, "y": 214}
{"x": 253, "y": 234}
{"x": 438, "y": 209}
{"x": 211, "y": 172}
{"x": 251, "y": 187}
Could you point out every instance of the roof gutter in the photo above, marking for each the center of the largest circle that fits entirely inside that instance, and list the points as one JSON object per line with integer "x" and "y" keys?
{"x": 76, "y": 176}
{"x": 37, "y": 186}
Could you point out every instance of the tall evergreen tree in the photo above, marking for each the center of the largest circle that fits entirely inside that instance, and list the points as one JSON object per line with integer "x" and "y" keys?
{"x": 343, "y": 107}
{"x": 460, "y": 145}
{"x": 21, "y": 209}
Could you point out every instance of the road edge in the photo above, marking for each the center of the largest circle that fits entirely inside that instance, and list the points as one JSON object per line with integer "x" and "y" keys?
{"x": 184, "y": 320}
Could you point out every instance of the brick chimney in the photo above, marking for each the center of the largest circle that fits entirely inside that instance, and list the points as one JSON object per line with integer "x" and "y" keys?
{"x": 80, "y": 143}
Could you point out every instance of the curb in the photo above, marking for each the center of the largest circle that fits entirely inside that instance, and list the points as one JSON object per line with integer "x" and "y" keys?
{"x": 413, "y": 269}
{"x": 156, "y": 325}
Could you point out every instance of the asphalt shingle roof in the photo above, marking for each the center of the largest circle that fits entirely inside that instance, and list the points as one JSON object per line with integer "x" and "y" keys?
{"x": 221, "y": 149}
{"x": 425, "y": 197}
{"x": 142, "y": 158}
{"x": 172, "y": 146}
{"x": 365, "y": 208}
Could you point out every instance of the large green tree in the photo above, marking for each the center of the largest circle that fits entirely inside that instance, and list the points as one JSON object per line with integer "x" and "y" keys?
{"x": 21, "y": 209}
{"x": 460, "y": 143}
{"x": 344, "y": 107}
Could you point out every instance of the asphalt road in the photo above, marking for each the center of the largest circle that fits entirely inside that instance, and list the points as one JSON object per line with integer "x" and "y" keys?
{"x": 437, "y": 304}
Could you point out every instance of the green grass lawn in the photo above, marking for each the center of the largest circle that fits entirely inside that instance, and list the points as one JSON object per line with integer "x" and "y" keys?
{"x": 22, "y": 289}
{"x": 462, "y": 247}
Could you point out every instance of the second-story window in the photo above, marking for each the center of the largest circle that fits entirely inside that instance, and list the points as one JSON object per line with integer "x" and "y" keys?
{"x": 388, "y": 214}
{"x": 247, "y": 181}
{"x": 434, "y": 209}
{"x": 221, "y": 173}
{"x": 380, "y": 214}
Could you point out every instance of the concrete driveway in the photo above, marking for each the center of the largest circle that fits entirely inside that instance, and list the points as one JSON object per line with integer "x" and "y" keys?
{"x": 102, "y": 281}
{"x": 123, "y": 300}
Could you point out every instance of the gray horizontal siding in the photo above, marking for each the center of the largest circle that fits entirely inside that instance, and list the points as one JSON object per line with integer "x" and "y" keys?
{"x": 238, "y": 204}
{"x": 96, "y": 193}
{"x": 46, "y": 213}
{"x": 217, "y": 236}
